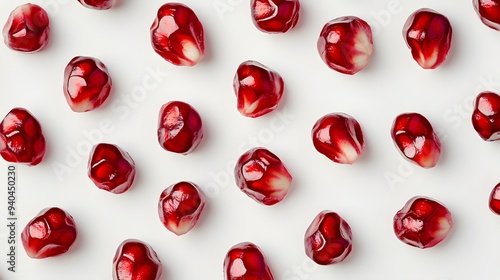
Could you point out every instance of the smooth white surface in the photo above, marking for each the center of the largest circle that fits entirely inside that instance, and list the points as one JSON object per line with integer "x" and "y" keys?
{"x": 142, "y": 81}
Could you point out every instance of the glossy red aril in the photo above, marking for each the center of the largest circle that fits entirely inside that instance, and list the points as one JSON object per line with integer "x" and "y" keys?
{"x": 422, "y": 222}
{"x": 494, "y": 202}
{"x": 87, "y": 83}
{"x": 258, "y": 89}
{"x": 111, "y": 168}
{"x": 180, "y": 129}
{"x": 50, "y": 233}
{"x": 262, "y": 176}
{"x": 180, "y": 207}
{"x": 136, "y": 260}
{"x": 338, "y": 136}
{"x": 489, "y": 12}
{"x": 246, "y": 261}
{"x": 177, "y": 35}
{"x": 98, "y": 4}
{"x": 275, "y": 16}
{"x": 415, "y": 138}
{"x": 345, "y": 44}
{"x": 21, "y": 138}
{"x": 486, "y": 115}
{"x": 27, "y": 29}
{"x": 328, "y": 239}
{"x": 428, "y": 35}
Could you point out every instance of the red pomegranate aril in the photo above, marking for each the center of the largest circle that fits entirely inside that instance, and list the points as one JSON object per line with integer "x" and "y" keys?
{"x": 246, "y": 261}
{"x": 486, "y": 115}
{"x": 111, "y": 168}
{"x": 489, "y": 12}
{"x": 328, "y": 239}
{"x": 180, "y": 129}
{"x": 98, "y": 4}
{"x": 415, "y": 138}
{"x": 345, "y": 44}
{"x": 494, "y": 202}
{"x": 180, "y": 207}
{"x": 177, "y": 35}
{"x": 52, "y": 232}
{"x": 258, "y": 89}
{"x": 428, "y": 35}
{"x": 27, "y": 29}
{"x": 338, "y": 136}
{"x": 136, "y": 260}
{"x": 275, "y": 16}
{"x": 21, "y": 138}
{"x": 87, "y": 83}
{"x": 262, "y": 176}
{"x": 422, "y": 222}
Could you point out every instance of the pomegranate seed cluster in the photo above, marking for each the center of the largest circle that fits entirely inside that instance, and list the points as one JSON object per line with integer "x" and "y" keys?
{"x": 177, "y": 37}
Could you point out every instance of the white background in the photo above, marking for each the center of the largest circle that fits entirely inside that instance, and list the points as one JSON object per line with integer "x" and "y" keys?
{"x": 366, "y": 194}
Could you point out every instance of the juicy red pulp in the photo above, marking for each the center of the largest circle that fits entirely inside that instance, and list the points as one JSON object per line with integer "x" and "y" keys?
{"x": 338, "y": 136}
{"x": 422, "y": 222}
{"x": 246, "y": 261}
{"x": 180, "y": 207}
{"x": 275, "y": 16}
{"x": 428, "y": 35}
{"x": 345, "y": 44}
{"x": 27, "y": 29}
{"x": 177, "y": 35}
{"x": 489, "y": 12}
{"x": 328, "y": 239}
{"x": 98, "y": 4}
{"x": 21, "y": 138}
{"x": 494, "y": 201}
{"x": 110, "y": 168}
{"x": 87, "y": 83}
{"x": 136, "y": 260}
{"x": 486, "y": 116}
{"x": 52, "y": 232}
{"x": 262, "y": 176}
{"x": 180, "y": 129}
{"x": 415, "y": 138}
{"x": 258, "y": 89}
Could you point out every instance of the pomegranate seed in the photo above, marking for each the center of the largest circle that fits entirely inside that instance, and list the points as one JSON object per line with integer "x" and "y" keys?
{"x": 486, "y": 116}
{"x": 180, "y": 207}
{"x": 258, "y": 89}
{"x": 345, "y": 44}
{"x": 275, "y": 16}
{"x": 21, "y": 138}
{"x": 328, "y": 240}
{"x": 50, "y": 233}
{"x": 177, "y": 35}
{"x": 27, "y": 29}
{"x": 428, "y": 35}
{"x": 415, "y": 138}
{"x": 180, "y": 129}
{"x": 87, "y": 83}
{"x": 110, "y": 168}
{"x": 489, "y": 12}
{"x": 338, "y": 136}
{"x": 262, "y": 176}
{"x": 422, "y": 222}
{"x": 98, "y": 4}
{"x": 495, "y": 199}
{"x": 246, "y": 261}
{"x": 136, "y": 260}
